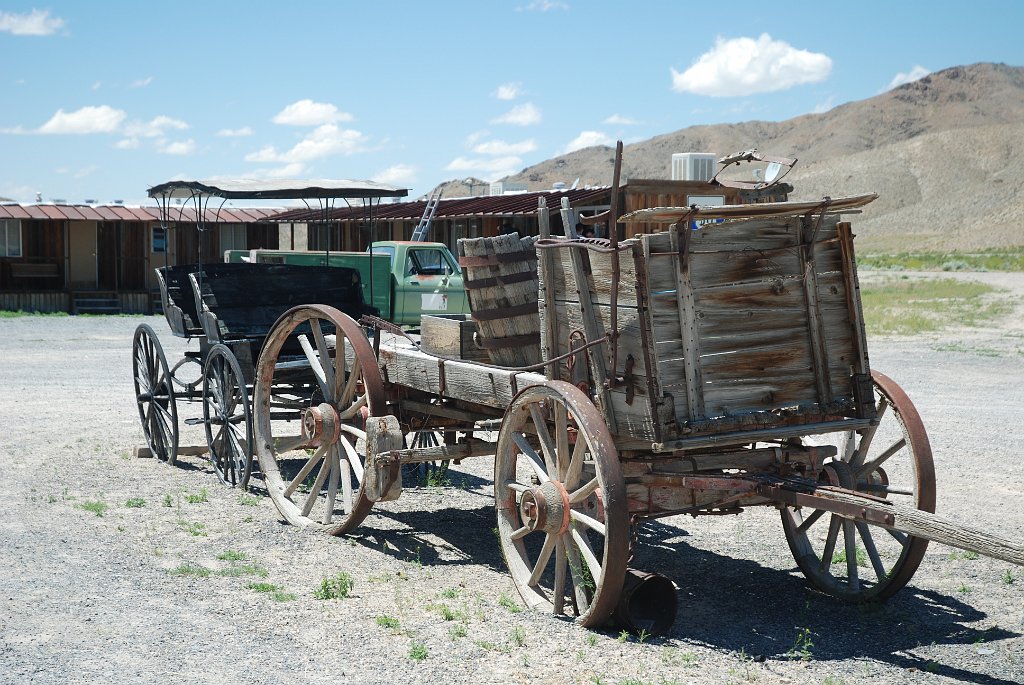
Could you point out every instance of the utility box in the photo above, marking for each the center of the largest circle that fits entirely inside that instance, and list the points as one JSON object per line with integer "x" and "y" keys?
{"x": 693, "y": 166}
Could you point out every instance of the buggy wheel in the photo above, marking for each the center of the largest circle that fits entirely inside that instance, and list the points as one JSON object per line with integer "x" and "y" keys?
{"x": 154, "y": 395}
{"x": 227, "y": 417}
{"x": 561, "y": 504}
{"x": 854, "y": 560}
{"x": 310, "y": 418}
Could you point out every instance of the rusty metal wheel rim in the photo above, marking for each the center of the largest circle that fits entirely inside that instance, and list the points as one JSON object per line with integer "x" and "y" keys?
{"x": 889, "y": 558}
{"x": 154, "y": 395}
{"x": 569, "y": 574}
{"x": 353, "y": 386}
{"x": 227, "y": 417}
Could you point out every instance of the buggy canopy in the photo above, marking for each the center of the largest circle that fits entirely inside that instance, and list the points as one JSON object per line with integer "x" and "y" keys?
{"x": 262, "y": 189}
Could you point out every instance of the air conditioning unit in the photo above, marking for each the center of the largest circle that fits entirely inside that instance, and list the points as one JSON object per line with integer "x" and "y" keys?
{"x": 693, "y": 166}
{"x": 507, "y": 187}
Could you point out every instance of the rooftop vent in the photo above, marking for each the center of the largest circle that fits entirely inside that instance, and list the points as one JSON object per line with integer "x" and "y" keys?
{"x": 693, "y": 166}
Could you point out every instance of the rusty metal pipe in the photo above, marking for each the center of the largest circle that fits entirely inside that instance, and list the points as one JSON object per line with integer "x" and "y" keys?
{"x": 647, "y": 603}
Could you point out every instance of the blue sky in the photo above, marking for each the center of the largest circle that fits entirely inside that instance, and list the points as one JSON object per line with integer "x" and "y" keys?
{"x": 101, "y": 100}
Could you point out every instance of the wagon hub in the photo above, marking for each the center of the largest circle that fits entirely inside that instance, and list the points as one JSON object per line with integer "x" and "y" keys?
{"x": 546, "y": 508}
{"x": 320, "y": 425}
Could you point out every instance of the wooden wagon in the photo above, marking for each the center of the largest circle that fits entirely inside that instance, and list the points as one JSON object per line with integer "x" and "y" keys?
{"x": 707, "y": 368}
{"x": 713, "y": 366}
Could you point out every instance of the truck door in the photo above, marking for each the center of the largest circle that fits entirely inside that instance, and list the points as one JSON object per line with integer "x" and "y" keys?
{"x": 431, "y": 284}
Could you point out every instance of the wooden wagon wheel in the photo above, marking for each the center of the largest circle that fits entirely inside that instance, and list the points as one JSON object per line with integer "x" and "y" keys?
{"x": 227, "y": 417}
{"x": 154, "y": 394}
{"x": 321, "y": 450}
{"x": 561, "y": 503}
{"x": 892, "y": 460}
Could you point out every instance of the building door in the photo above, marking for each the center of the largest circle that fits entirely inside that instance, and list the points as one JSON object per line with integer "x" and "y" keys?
{"x": 107, "y": 252}
{"x": 82, "y": 254}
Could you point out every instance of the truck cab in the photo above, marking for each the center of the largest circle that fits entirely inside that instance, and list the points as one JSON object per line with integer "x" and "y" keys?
{"x": 426, "y": 279}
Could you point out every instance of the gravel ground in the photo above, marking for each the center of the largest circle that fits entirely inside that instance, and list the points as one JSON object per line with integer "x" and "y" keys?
{"x": 119, "y": 598}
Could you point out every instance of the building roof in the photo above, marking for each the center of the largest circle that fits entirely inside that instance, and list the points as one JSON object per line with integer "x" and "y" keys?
{"x": 455, "y": 208}
{"x": 67, "y": 212}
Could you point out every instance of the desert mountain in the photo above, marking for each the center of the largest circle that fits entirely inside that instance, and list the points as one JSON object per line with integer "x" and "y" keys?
{"x": 944, "y": 153}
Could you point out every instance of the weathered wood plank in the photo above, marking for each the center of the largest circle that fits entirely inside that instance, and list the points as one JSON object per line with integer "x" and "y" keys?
{"x": 492, "y": 387}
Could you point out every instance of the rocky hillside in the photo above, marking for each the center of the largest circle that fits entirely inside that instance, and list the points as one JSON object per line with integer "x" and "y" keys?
{"x": 944, "y": 153}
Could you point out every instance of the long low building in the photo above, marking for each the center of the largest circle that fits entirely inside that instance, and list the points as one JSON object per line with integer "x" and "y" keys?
{"x": 100, "y": 258}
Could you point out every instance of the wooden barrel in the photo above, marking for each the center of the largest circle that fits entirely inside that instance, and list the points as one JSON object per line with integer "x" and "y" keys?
{"x": 500, "y": 277}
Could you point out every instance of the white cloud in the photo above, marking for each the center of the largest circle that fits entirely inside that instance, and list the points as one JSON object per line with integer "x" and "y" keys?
{"x": 500, "y": 147}
{"x": 141, "y": 83}
{"x": 475, "y": 137}
{"x": 102, "y": 119}
{"x": 324, "y": 141}
{"x": 235, "y": 132}
{"x": 918, "y": 72}
{"x": 265, "y": 154}
{"x": 490, "y": 169}
{"x": 543, "y": 6}
{"x": 521, "y": 115}
{"x": 155, "y": 127}
{"x": 97, "y": 85}
{"x": 309, "y": 113}
{"x": 508, "y": 91}
{"x": 587, "y": 139}
{"x": 741, "y": 66}
{"x": 825, "y": 106}
{"x": 35, "y": 23}
{"x": 293, "y": 170}
{"x": 182, "y": 147}
{"x": 397, "y": 174}
{"x": 619, "y": 120}
{"x": 127, "y": 144}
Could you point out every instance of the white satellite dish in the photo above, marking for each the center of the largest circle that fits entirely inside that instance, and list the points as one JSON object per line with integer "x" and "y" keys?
{"x": 772, "y": 171}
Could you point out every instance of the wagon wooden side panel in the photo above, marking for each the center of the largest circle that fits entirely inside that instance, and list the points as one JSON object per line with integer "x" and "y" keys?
{"x": 757, "y": 323}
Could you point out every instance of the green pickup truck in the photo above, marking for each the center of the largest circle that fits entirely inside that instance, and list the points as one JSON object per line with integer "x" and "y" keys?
{"x": 403, "y": 279}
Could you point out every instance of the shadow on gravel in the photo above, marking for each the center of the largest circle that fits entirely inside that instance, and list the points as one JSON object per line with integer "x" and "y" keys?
{"x": 467, "y": 534}
{"x": 740, "y": 605}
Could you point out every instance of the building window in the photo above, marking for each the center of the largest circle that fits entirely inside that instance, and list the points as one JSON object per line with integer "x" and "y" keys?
{"x": 159, "y": 238}
{"x": 10, "y": 238}
{"x": 233, "y": 237}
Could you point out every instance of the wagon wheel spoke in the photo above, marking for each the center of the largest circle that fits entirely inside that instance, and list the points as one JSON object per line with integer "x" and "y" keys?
{"x": 588, "y": 521}
{"x": 314, "y": 491}
{"x": 891, "y": 458}
{"x": 584, "y": 492}
{"x": 330, "y": 401}
{"x": 305, "y": 471}
{"x": 542, "y": 559}
{"x": 869, "y": 546}
{"x": 852, "y": 575}
{"x": 547, "y": 444}
{"x": 332, "y": 487}
{"x": 810, "y": 520}
{"x": 549, "y": 547}
{"x": 868, "y": 434}
{"x": 561, "y": 449}
{"x": 534, "y": 459}
{"x": 325, "y": 360}
{"x": 882, "y": 458}
{"x": 558, "y": 598}
{"x": 575, "y": 467}
{"x": 315, "y": 366}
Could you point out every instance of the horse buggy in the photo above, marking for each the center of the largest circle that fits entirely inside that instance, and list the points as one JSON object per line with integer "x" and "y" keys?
{"x": 716, "y": 365}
